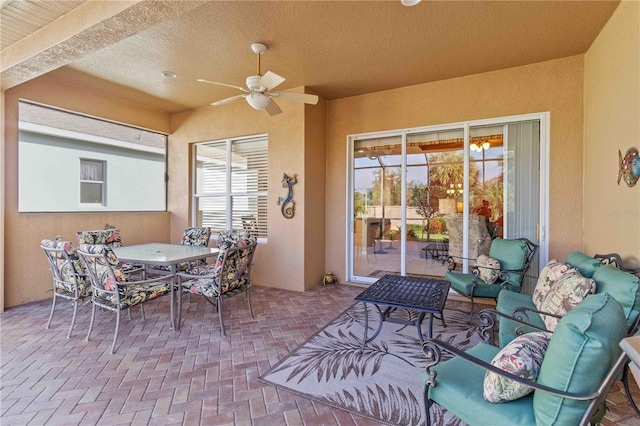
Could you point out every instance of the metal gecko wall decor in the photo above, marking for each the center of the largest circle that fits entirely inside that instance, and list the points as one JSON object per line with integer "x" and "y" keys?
{"x": 287, "y": 205}
{"x": 629, "y": 169}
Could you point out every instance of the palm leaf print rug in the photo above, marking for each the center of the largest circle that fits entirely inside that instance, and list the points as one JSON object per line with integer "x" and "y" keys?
{"x": 382, "y": 383}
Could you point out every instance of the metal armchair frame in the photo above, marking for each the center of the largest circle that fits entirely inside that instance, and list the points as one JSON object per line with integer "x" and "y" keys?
{"x": 58, "y": 257}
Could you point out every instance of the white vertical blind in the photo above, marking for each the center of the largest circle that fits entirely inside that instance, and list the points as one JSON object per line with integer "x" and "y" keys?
{"x": 231, "y": 184}
{"x": 522, "y": 182}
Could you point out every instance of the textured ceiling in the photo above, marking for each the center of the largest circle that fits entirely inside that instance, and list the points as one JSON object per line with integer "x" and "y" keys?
{"x": 334, "y": 48}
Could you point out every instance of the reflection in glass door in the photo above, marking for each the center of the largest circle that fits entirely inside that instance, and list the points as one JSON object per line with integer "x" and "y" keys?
{"x": 376, "y": 206}
{"x": 435, "y": 177}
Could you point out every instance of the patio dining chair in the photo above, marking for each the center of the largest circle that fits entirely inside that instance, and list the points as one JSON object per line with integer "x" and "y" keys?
{"x": 230, "y": 275}
{"x": 110, "y": 237}
{"x": 112, "y": 290}
{"x": 69, "y": 277}
{"x": 198, "y": 237}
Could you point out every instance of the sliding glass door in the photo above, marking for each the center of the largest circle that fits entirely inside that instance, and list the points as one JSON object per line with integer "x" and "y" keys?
{"x": 422, "y": 199}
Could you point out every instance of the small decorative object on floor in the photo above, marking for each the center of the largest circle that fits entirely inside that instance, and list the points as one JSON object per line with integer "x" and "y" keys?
{"x": 288, "y": 182}
{"x": 329, "y": 278}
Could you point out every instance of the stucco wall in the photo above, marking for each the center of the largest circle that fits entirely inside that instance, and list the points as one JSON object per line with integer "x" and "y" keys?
{"x": 612, "y": 124}
{"x": 26, "y": 274}
{"x": 554, "y": 86}
{"x": 282, "y": 260}
{"x": 315, "y": 184}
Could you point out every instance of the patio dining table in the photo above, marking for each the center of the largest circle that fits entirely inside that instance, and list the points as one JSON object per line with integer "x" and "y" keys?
{"x": 169, "y": 255}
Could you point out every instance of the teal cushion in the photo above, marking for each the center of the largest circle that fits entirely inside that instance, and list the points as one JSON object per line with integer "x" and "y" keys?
{"x": 462, "y": 283}
{"x": 508, "y": 329}
{"x": 509, "y": 300}
{"x": 587, "y": 265}
{"x": 583, "y": 349}
{"x": 512, "y": 254}
{"x": 460, "y": 388}
{"x": 622, "y": 286}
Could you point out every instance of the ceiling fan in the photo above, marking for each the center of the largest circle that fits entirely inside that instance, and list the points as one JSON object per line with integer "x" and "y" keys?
{"x": 258, "y": 92}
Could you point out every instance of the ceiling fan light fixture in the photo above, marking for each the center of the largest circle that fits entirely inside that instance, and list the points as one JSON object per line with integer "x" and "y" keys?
{"x": 258, "y": 100}
{"x": 410, "y": 2}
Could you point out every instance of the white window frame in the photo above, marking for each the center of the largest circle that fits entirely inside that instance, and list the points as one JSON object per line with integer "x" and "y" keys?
{"x": 102, "y": 182}
{"x": 228, "y": 195}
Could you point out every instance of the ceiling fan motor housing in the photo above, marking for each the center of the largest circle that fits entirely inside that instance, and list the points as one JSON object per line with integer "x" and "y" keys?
{"x": 253, "y": 83}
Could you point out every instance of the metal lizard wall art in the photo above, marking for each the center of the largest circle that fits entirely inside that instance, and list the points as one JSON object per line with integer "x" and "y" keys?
{"x": 287, "y": 205}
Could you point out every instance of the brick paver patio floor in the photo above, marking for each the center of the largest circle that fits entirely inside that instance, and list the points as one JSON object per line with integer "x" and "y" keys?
{"x": 161, "y": 377}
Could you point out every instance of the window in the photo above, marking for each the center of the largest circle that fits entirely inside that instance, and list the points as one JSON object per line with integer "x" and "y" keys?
{"x": 231, "y": 184}
{"x": 91, "y": 181}
{"x": 63, "y": 157}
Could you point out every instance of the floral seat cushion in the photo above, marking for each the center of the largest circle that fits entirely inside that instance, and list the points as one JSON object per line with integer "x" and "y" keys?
{"x": 212, "y": 283}
{"x": 192, "y": 237}
{"x": 202, "y": 286}
{"x": 128, "y": 294}
{"x": 110, "y": 237}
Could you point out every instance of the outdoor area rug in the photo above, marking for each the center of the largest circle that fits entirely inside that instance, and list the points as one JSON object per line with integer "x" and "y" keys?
{"x": 383, "y": 383}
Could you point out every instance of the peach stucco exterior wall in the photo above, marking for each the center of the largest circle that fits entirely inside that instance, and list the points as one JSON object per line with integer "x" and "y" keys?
{"x": 554, "y": 86}
{"x": 315, "y": 183}
{"x": 282, "y": 262}
{"x": 612, "y": 124}
{"x": 26, "y": 274}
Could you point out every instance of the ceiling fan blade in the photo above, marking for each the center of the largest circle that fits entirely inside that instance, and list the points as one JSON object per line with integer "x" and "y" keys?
{"x": 273, "y": 108}
{"x": 223, "y": 84}
{"x": 228, "y": 100}
{"x": 271, "y": 80}
{"x": 296, "y": 97}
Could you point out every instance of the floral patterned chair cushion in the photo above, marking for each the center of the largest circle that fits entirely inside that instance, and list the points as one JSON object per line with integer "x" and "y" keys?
{"x": 110, "y": 237}
{"x": 213, "y": 284}
{"x": 488, "y": 268}
{"x": 110, "y": 282}
{"x": 551, "y": 272}
{"x": 192, "y": 237}
{"x": 565, "y": 294}
{"x": 523, "y": 357}
{"x": 70, "y": 271}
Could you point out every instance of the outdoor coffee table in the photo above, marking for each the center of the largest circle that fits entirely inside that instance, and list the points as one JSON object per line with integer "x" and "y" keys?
{"x": 423, "y": 295}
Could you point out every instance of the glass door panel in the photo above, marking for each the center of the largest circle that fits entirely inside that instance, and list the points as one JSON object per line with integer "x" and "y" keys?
{"x": 377, "y": 180}
{"x": 435, "y": 175}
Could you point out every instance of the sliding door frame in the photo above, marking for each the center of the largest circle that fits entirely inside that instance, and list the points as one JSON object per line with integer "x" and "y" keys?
{"x": 543, "y": 237}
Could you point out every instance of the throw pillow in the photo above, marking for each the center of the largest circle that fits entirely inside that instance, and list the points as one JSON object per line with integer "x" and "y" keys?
{"x": 522, "y": 357}
{"x": 488, "y": 268}
{"x": 564, "y": 295}
{"x": 548, "y": 276}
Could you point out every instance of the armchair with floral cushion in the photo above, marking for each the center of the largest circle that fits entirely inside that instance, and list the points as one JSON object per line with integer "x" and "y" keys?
{"x": 112, "y": 289}
{"x": 230, "y": 275}
{"x": 69, "y": 277}
{"x": 504, "y": 268}
{"x": 109, "y": 237}
{"x": 540, "y": 378}
{"x": 198, "y": 237}
{"x": 561, "y": 287}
